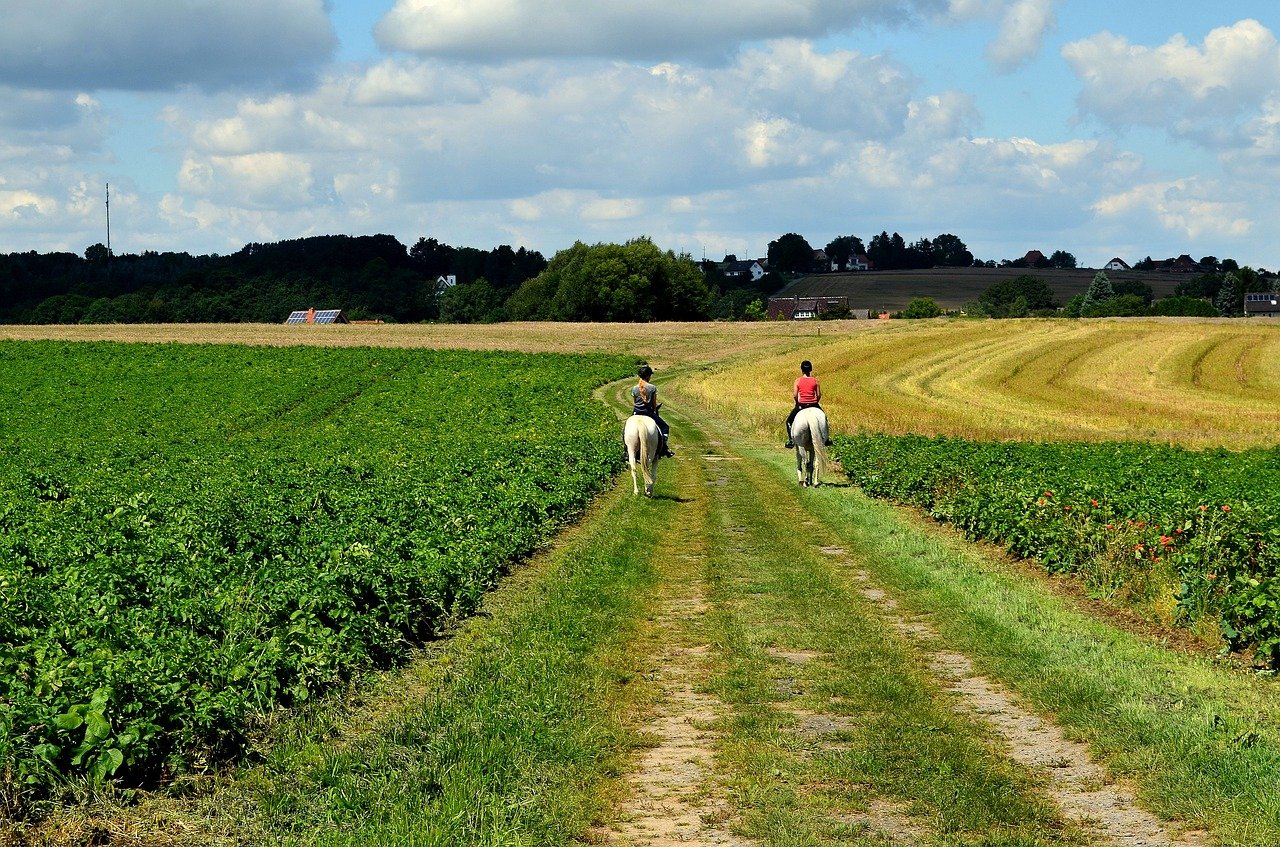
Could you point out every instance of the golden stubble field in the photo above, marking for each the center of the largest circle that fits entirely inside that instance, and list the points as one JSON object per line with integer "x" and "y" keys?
{"x": 1188, "y": 381}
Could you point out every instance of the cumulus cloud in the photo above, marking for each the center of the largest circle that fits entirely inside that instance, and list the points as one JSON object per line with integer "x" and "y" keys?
{"x": 1022, "y": 33}
{"x": 144, "y": 45}
{"x": 1191, "y": 208}
{"x": 497, "y": 30}
{"x": 1186, "y": 87}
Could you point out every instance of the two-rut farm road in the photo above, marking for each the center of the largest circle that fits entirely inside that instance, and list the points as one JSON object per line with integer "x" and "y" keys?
{"x": 798, "y": 701}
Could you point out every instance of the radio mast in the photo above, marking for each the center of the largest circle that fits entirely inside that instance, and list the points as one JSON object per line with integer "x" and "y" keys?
{"x": 108, "y": 219}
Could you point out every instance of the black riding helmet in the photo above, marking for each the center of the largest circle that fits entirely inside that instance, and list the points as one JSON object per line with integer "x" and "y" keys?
{"x": 645, "y": 371}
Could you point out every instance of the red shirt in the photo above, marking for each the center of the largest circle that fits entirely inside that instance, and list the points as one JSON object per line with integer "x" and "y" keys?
{"x": 807, "y": 389}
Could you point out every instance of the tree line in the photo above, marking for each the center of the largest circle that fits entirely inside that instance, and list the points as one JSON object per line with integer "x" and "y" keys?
{"x": 792, "y": 253}
{"x": 377, "y": 277}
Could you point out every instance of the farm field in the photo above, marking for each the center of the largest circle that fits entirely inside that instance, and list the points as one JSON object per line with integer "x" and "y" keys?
{"x": 955, "y": 288}
{"x": 197, "y": 535}
{"x": 1189, "y": 382}
{"x": 738, "y": 661}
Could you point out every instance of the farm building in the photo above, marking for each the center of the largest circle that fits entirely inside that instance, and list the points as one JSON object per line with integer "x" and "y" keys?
{"x": 1262, "y": 304}
{"x": 1117, "y": 264}
{"x": 803, "y": 308}
{"x": 321, "y": 316}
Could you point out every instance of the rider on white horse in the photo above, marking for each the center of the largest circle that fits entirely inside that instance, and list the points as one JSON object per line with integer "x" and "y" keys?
{"x": 807, "y": 394}
{"x": 644, "y": 401}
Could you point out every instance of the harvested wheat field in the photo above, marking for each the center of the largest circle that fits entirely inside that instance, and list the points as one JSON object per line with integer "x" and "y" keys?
{"x": 1189, "y": 382}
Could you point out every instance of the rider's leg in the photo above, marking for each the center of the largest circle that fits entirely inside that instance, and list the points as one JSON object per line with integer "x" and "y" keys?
{"x": 791, "y": 418}
{"x": 665, "y": 429}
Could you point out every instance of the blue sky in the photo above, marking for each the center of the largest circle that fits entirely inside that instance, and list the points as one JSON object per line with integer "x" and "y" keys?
{"x": 1102, "y": 128}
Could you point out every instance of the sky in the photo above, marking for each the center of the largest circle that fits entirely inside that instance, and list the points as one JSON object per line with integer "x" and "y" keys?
{"x": 1106, "y": 129}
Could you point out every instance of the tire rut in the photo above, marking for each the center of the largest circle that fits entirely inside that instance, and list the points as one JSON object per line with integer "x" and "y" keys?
{"x": 675, "y": 798}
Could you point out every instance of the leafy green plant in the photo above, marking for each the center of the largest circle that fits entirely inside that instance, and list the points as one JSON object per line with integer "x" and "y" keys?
{"x": 191, "y": 537}
{"x": 1192, "y": 538}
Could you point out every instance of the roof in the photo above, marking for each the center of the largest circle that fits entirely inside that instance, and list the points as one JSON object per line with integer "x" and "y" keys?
{"x": 317, "y": 316}
{"x": 1262, "y": 302}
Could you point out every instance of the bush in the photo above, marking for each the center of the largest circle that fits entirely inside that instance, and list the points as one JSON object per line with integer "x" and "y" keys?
{"x": 1183, "y": 306}
{"x": 922, "y": 307}
{"x": 1120, "y": 306}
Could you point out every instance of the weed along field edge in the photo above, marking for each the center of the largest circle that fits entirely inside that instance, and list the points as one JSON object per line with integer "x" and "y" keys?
{"x": 737, "y": 661}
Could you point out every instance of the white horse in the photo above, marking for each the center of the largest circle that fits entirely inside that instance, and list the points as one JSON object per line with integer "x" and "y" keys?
{"x": 809, "y": 433}
{"x": 644, "y": 445}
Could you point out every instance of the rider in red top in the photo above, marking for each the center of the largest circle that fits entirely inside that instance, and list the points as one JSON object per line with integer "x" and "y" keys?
{"x": 807, "y": 394}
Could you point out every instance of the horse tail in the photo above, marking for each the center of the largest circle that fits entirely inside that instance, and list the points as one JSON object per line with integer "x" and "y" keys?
{"x": 646, "y": 450}
{"x": 818, "y": 431}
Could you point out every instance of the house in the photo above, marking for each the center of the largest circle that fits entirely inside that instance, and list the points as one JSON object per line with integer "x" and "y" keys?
{"x": 803, "y": 308}
{"x": 1184, "y": 264}
{"x": 1117, "y": 264}
{"x": 822, "y": 262}
{"x": 446, "y": 281}
{"x": 1262, "y": 304}
{"x": 742, "y": 271}
{"x": 1034, "y": 258}
{"x": 861, "y": 262}
{"x": 320, "y": 316}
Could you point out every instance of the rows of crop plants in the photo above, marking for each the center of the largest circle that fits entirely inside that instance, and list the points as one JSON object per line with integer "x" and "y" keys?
{"x": 193, "y": 536}
{"x": 1191, "y": 537}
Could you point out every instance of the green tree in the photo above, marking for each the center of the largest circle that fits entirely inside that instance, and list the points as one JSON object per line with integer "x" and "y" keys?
{"x": 949, "y": 251}
{"x": 922, "y": 307}
{"x": 1017, "y": 297}
{"x": 471, "y": 303}
{"x": 1230, "y": 298}
{"x": 614, "y": 282}
{"x": 790, "y": 253}
{"x": 1100, "y": 291}
{"x": 1136, "y": 287}
{"x": 843, "y": 248}
{"x": 755, "y": 311}
{"x": 1062, "y": 259}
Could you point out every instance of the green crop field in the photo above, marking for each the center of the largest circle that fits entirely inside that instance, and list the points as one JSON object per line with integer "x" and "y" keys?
{"x": 194, "y": 535}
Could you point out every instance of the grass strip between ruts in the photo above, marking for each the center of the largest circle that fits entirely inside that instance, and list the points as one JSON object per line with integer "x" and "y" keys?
{"x": 1201, "y": 742}
{"x": 838, "y": 733}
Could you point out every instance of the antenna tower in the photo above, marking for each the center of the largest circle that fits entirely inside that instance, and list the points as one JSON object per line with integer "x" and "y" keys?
{"x": 108, "y": 219}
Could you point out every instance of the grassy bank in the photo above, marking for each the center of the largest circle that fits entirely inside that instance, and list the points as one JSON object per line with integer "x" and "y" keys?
{"x": 1200, "y": 741}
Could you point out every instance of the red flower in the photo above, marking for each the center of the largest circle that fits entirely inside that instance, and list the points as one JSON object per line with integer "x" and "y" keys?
{"x": 1226, "y": 508}
{"x": 1093, "y": 503}
{"x": 1048, "y": 494}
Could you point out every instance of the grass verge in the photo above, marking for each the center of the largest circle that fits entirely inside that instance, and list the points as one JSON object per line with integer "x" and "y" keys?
{"x": 1199, "y": 741}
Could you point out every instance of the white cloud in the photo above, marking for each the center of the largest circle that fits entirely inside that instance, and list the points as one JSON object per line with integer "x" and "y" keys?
{"x": 488, "y": 30}
{"x": 1190, "y": 208}
{"x": 1188, "y": 88}
{"x": 145, "y": 45}
{"x": 257, "y": 180}
{"x": 1022, "y": 33}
